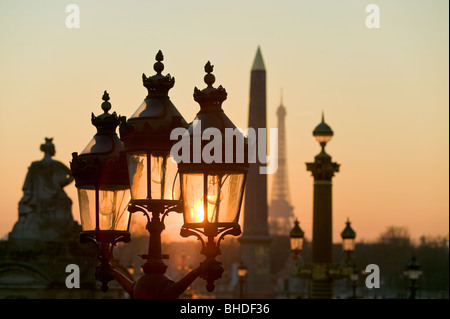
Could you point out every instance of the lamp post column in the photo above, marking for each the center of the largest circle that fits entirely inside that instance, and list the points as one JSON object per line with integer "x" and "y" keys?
{"x": 413, "y": 289}
{"x": 323, "y": 170}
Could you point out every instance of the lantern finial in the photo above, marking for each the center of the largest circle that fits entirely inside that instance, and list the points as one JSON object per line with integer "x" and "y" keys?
{"x": 210, "y": 97}
{"x": 158, "y": 84}
{"x": 106, "y": 106}
{"x": 209, "y": 78}
{"x": 159, "y": 66}
{"x": 106, "y": 122}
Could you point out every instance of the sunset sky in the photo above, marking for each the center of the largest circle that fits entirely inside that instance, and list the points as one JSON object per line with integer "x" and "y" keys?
{"x": 384, "y": 92}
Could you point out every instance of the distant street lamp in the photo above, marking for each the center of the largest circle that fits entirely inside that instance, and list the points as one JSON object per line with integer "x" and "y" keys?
{"x": 323, "y": 170}
{"x": 348, "y": 238}
{"x": 322, "y": 270}
{"x": 348, "y": 246}
{"x": 413, "y": 272}
{"x": 209, "y": 195}
{"x": 242, "y": 273}
{"x": 296, "y": 236}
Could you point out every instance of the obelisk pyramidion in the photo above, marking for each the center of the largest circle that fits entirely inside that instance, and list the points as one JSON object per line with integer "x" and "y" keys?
{"x": 255, "y": 240}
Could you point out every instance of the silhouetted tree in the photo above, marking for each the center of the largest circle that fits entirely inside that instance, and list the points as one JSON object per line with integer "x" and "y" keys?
{"x": 433, "y": 257}
{"x": 395, "y": 235}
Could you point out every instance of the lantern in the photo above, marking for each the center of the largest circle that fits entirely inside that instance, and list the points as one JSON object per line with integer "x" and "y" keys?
{"x": 348, "y": 238}
{"x": 296, "y": 235}
{"x": 101, "y": 178}
{"x": 213, "y": 177}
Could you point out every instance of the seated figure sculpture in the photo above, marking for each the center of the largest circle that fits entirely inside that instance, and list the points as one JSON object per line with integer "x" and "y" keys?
{"x": 45, "y": 210}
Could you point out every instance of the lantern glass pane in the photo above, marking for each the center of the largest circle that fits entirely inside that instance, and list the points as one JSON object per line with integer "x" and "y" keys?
{"x": 242, "y": 272}
{"x": 165, "y": 183}
{"x": 323, "y": 138}
{"x": 137, "y": 171}
{"x": 223, "y": 197}
{"x": 296, "y": 243}
{"x": 414, "y": 274}
{"x": 86, "y": 203}
{"x": 99, "y": 144}
{"x": 113, "y": 204}
{"x": 154, "y": 109}
{"x": 193, "y": 198}
{"x": 348, "y": 244}
{"x": 113, "y": 213}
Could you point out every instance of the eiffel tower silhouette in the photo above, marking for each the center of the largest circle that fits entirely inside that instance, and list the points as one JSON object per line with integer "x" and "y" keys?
{"x": 280, "y": 210}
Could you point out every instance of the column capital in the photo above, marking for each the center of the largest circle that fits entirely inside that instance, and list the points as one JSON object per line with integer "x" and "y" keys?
{"x": 323, "y": 170}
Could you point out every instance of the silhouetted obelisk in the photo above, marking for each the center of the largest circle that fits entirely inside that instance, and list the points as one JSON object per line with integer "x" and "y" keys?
{"x": 255, "y": 240}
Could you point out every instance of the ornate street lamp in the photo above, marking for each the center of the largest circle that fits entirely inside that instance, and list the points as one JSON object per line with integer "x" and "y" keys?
{"x": 323, "y": 170}
{"x": 297, "y": 235}
{"x": 348, "y": 238}
{"x": 413, "y": 272}
{"x": 212, "y": 186}
{"x": 155, "y": 188}
{"x": 101, "y": 177}
{"x": 141, "y": 161}
{"x": 242, "y": 273}
{"x": 348, "y": 246}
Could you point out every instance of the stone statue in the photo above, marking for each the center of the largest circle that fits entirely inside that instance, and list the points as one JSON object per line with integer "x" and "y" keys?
{"x": 45, "y": 210}
{"x": 45, "y": 239}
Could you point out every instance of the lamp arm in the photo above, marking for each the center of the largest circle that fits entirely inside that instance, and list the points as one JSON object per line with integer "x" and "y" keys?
{"x": 123, "y": 280}
{"x": 173, "y": 208}
{"x": 133, "y": 208}
{"x": 185, "y": 232}
{"x": 180, "y": 286}
{"x": 235, "y": 231}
